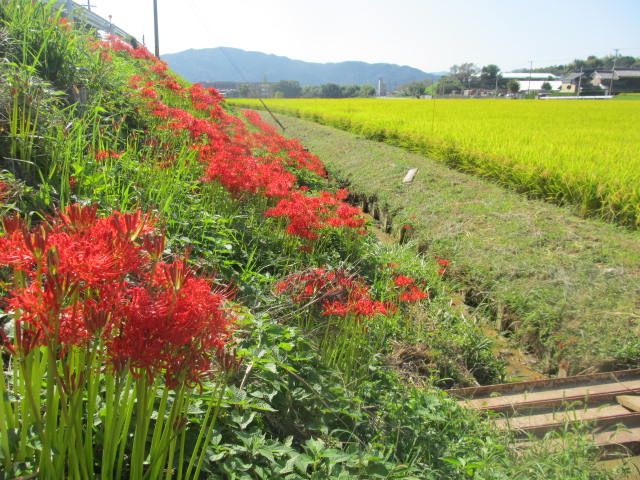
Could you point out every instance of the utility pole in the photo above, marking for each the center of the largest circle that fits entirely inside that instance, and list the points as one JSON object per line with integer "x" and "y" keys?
{"x": 155, "y": 27}
{"x": 496, "y": 95}
{"x": 530, "y": 73}
{"x": 613, "y": 71}
{"x": 579, "y": 83}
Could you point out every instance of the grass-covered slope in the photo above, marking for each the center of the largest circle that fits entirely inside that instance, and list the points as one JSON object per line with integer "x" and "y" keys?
{"x": 567, "y": 288}
{"x": 184, "y": 294}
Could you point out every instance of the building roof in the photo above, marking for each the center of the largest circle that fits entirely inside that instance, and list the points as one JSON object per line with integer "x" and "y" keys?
{"x": 627, "y": 73}
{"x": 602, "y": 75}
{"x": 616, "y": 74}
{"x": 535, "y": 85}
{"x": 527, "y": 75}
{"x": 569, "y": 77}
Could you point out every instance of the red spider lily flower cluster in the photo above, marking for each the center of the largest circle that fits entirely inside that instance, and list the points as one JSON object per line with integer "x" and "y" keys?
{"x": 116, "y": 44}
{"x": 246, "y": 161}
{"x": 81, "y": 278}
{"x": 338, "y": 292}
{"x": 102, "y": 155}
{"x": 409, "y": 291}
{"x": 294, "y": 154}
{"x": 64, "y": 24}
{"x": 308, "y": 215}
{"x": 444, "y": 264}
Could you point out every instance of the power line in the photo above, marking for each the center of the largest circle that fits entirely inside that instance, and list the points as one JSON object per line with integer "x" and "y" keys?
{"x": 242, "y": 76}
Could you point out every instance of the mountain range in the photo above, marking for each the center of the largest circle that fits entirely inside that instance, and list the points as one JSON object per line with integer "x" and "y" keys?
{"x": 235, "y": 65}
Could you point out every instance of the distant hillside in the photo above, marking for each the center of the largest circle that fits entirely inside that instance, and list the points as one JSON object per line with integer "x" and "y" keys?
{"x": 217, "y": 64}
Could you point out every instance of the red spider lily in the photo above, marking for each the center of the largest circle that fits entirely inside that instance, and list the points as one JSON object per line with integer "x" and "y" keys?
{"x": 409, "y": 291}
{"x": 444, "y": 264}
{"x": 175, "y": 327}
{"x": 259, "y": 162}
{"x": 102, "y": 155}
{"x": 86, "y": 276}
{"x": 64, "y": 24}
{"x": 413, "y": 294}
{"x": 148, "y": 92}
{"x": 159, "y": 67}
{"x": 403, "y": 281}
{"x": 295, "y": 154}
{"x": 241, "y": 173}
{"x": 338, "y": 292}
{"x": 204, "y": 98}
{"x": 307, "y": 214}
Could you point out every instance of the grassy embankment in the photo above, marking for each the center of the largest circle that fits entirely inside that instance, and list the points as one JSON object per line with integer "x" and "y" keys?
{"x": 584, "y": 154}
{"x": 155, "y": 343}
{"x": 564, "y": 287}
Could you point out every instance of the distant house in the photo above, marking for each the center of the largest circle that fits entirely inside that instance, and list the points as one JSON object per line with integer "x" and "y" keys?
{"x": 623, "y": 80}
{"x": 571, "y": 81}
{"x": 533, "y": 82}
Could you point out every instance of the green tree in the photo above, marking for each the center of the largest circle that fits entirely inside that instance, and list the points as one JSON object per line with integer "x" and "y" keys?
{"x": 546, "y": 86}
{"x": 287, "y": 89}
{"x": 367, "y": 91}
{"x": 350, "y": 91}
{"x": 330, "y": 90}
{"x": 488, "y": 76}
{"x": 311, "y": 91}
{"x": 447, "y": 85}
{"x": 413, "y": 89}
{"x": 464, "y": 73}
{"x": 513, "y": 86}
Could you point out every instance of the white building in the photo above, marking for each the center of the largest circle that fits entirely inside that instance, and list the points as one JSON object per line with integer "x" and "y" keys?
{"x": 532, "y": 82}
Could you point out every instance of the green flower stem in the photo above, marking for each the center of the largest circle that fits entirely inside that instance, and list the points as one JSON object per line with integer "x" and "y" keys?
{"x": 156, "y": 446}
{"x": 124, "y": 421}
{"x": 177, "y": 429}
{"x": 218, "y": 394}
{"x": 6, "y": 419}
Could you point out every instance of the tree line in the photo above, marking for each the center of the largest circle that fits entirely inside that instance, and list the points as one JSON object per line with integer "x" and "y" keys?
{"x": 293, "y": 89}
{"x": 470, "y": 76}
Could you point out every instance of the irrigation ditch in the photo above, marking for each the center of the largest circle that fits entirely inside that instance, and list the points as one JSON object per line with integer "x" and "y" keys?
{"x": 606, "y": 405}
{"x": 519, "y": 365}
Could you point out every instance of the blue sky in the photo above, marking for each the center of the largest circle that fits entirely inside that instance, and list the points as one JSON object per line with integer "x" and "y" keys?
{"x": 427, "y": 34}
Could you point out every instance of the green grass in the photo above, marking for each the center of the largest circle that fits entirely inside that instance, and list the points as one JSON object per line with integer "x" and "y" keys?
{"x": 585, "y": 154}
{"x": 627, "y": 96}
{"x": 566, "y": 288}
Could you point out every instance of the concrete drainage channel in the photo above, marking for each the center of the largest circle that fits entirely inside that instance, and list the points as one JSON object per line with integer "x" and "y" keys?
{"x": 607, "y": 403}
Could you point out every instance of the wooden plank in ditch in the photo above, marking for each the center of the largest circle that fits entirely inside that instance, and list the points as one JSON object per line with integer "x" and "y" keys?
{"x": 619, "y": 388}
{"x": 601, "y": 424}
{"x": 508, "y": 388}
{"x": 627, "y": 437}
{"x": 631, "y": 402}
{"x": 559, "y": 418}
{"x": 619, "y": 440}
{"x": 579, "y": 401}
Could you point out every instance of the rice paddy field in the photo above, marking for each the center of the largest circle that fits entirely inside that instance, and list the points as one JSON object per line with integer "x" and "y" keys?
{"x": 580, "y": 153}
